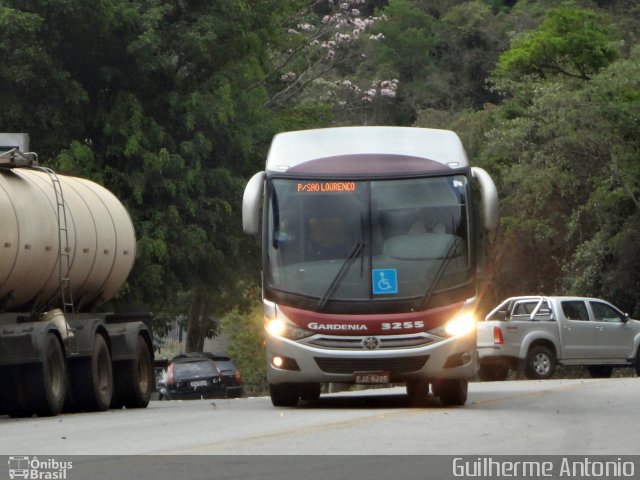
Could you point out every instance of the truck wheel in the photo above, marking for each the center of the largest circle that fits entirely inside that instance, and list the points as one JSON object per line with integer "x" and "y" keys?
{"x": 47, "y": 381}
{"x": 493, "y": 373}
{"x": 16, "y": 398}
{"x": 638, "y": 363}
{"x": 600, "y": 371}
{"x": 452, "y": 392}
{"x": 133, "y": 380}
{"x": 92, "y": 380}
{"x": 284, "y": 395}
{"x": 540, "y": 363}
{"x": 417, "y": 389}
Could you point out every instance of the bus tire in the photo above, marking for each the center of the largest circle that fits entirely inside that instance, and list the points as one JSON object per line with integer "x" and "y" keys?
{"x": 452, "y": 392}
{"x": 284, "y": 395}
{"x": 310, "y": 392}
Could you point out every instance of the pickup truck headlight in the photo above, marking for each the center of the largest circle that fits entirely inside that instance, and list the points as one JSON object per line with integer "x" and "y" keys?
{"x": 279, "y": 327}
{"x": 461, "y": 324}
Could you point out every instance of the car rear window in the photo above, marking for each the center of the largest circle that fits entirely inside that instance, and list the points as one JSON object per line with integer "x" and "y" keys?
{"x": 223, "y": 366}
{"x": 194, "y": 369}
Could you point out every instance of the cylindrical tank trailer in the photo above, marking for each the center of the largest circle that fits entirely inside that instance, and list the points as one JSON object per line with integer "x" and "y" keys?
{"x": 101, "y": 241}
{"x": 66, "y": 246}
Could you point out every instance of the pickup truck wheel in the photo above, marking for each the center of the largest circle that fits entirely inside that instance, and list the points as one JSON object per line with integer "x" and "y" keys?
{"x": 540, "y": 363}
{"x": 600, "y": 371}
{"x": 284, "y": 395}
{"x": 493, "y": 373}
{"x": 452, "y": 392}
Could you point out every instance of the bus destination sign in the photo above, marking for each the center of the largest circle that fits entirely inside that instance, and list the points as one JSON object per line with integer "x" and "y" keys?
{"x": 327, "y": 186}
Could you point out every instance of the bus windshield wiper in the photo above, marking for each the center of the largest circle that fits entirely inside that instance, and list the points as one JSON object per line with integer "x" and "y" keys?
{"x": 338, "y": 279}
{"x": 441, "y": 268}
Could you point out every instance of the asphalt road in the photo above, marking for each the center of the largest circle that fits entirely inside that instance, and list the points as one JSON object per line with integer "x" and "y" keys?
{"x": 566, "y": 417}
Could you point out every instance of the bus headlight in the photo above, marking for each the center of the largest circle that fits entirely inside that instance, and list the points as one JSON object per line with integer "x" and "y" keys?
{"x": 276, "y": 327}
{"x": 279, "y": 327}
{"x": 461, "y": 324}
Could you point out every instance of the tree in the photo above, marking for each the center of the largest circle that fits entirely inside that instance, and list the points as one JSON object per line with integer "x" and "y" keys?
{"x": 570, "y": 185}
{"x": 571, "y": 41}
{"x": 165, "y": 104}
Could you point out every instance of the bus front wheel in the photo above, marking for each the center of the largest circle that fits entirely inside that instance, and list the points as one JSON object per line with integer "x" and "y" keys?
{"x": 284, "y": 394}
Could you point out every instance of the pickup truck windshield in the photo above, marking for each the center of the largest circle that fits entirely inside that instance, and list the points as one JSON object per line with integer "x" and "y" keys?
{"x": 359, "y": 241}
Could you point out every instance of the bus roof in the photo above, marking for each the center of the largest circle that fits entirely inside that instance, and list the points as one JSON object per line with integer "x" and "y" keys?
{"x": 290, "y": 149}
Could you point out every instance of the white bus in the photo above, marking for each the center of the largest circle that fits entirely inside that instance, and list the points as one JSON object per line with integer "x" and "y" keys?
{"x": 371, "y": 238}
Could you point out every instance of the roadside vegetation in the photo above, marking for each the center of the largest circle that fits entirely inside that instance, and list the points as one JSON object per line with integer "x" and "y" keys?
{"x": 172, "y": 105}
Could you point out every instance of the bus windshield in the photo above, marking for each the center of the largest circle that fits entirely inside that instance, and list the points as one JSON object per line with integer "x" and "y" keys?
{"x": 338, "y": 244}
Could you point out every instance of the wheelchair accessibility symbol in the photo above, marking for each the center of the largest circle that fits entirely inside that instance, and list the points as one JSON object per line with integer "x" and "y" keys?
{"x": 385, "y": 281}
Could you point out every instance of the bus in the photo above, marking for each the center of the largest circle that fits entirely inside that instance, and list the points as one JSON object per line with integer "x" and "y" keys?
{"x": 372, "y": 240}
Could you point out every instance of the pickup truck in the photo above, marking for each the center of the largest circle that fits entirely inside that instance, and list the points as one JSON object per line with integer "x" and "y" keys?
{"x": 539, "y": 332}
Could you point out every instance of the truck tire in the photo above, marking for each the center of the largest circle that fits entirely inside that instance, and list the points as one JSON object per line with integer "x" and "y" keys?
{"x": 452, "y": 392}
{"x": 284, "y": 395}
{"x": 600, "y": 371}
{"x": 540, "y": 363}
{"x": 14, "y": 392}
{"x": 92, "y": 380}
{"x": 133, "y": 380}
{"x": 493, "y": 373}
{"x": 47, "y": 381}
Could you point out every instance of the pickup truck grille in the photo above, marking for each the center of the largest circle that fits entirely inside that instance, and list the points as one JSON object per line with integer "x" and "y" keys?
{"x": 351, "y": 365}
{"x": 351, "y": 343}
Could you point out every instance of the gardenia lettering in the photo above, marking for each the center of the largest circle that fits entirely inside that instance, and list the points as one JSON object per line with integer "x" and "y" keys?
{"x": 336, "y": 326}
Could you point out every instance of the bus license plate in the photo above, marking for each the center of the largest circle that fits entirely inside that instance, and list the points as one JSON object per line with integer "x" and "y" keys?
{"x": 372, "y": 377}
{"x": 199, "y": 383}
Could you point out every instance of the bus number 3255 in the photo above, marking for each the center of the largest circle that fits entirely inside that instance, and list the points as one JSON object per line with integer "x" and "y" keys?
{"x": 388, "y": 326}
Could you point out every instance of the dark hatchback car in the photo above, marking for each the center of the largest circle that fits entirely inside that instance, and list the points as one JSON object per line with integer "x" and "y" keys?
{"x": 203, "y": 375}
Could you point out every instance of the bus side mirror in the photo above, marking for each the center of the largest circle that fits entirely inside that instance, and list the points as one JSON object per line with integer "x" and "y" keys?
{"x": 489, "y": 194}
{"x": 251, "y": 204}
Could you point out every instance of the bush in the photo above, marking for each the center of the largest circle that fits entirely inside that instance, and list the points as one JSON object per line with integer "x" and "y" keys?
{"x": 245, "y": 332}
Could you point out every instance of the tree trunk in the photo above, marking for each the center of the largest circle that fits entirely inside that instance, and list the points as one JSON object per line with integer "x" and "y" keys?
{"x": 195, "y": 322}
{"x": 199, "y": 320}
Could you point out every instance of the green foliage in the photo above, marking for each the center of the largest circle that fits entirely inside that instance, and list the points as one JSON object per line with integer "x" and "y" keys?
{"x": 408, "y": 39}
{"x": 567, "y": 167}
{"x": 172, "y": 105}
{"x": 246, "y": 334}
{"x": 571, "y": 41}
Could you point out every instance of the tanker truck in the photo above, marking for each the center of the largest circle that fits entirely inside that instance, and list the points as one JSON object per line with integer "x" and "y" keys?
{"x": 67, "y": 245}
